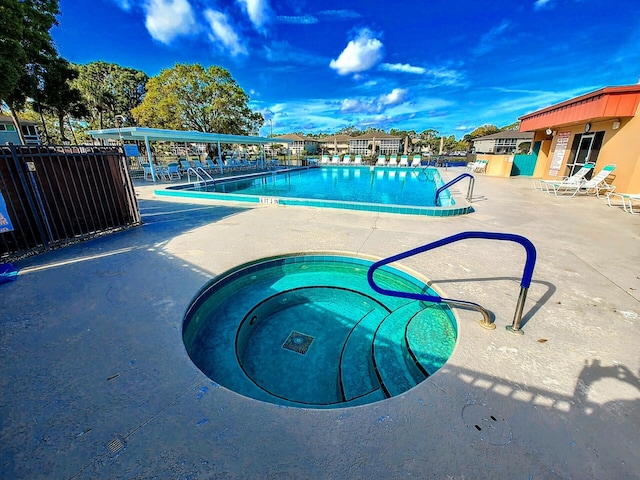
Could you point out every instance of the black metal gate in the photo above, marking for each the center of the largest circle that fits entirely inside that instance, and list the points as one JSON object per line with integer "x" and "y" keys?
{"x": 57, "y": 195}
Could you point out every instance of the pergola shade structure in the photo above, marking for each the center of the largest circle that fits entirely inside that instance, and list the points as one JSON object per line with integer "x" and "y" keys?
{"x": 159, "y": 135}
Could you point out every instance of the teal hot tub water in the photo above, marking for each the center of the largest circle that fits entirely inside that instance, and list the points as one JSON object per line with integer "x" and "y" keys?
{"x": 380, "y": 189}
{"x": 308, "y": 331}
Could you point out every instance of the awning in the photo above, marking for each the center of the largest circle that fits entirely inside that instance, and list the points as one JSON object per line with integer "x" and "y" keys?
{"x": 158, "y": 134}
{"x": 606, "y": 103}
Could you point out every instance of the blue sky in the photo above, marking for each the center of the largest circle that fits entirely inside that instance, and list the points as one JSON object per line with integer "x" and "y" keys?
{"x": 320, "y": 66}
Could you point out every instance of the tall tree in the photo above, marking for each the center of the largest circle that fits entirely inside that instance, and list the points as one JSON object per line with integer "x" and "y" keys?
{"x": 110, "y": 90}
{"x": 25, "y": 44}
{"x": 57, "y": 96}
{"x": 190, "y": 97}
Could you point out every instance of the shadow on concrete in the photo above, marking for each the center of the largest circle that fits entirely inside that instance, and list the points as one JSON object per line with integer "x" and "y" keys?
{"x": 528, "y": 313}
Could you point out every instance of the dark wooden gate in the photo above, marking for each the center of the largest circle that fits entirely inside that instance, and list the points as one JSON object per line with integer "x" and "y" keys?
{"x": 57, "y": 195}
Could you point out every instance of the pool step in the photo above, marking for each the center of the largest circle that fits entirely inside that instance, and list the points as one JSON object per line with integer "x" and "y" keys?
{"x": 374, "y": 396}
{"x": 394, "y": 365}
{"x": 431, "y": 337}
{"x": 357, "y": 376}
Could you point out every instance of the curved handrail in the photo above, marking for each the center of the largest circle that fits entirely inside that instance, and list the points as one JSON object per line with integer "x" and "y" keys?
{"x": 456, "y": 180}
{"x": 196, "y": 171}
{"x": 525, "y": 283}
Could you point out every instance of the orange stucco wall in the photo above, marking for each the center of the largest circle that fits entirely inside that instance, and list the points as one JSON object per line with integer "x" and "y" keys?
{"x": 498, "y": 165}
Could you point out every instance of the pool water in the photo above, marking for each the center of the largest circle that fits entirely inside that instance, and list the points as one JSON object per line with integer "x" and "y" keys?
{"x": 307, "y": 330}
{"x": 389, "y": 186}
{"x": 408, "y": 191}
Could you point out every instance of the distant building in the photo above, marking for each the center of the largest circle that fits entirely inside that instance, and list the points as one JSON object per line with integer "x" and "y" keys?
{"x": 300, "y": 146}
{"x": 8, "y": 133}
{"x": 375, "y": 143}
{"x": 501, "y": 143}
{"x": 335, "y": 144}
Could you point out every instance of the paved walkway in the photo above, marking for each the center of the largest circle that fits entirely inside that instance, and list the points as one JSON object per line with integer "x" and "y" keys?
{"x": 95, "y": 381}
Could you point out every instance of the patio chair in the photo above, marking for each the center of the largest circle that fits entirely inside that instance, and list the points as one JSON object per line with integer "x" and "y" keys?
{"x": 324, "y": 160}
{"x": 382, "y": 160}
{"x": 235, "y": 164}
{"x": 148, "y": 174}
{"x": 627, "y": 200}
{"x": 393, "y": 161}
{"x": 576, "y": 178}
{"x": 246, "y": 164}
{"x": 404, "y": 161}
{"x": 184, "y": 165}
{"x": 173, "y": 170}
{"x": 416, "y": 161}
{"x": 335, "y": 160}
{"x": 596, "y": 184}
{"x": 358, "y": 160}
{"x": 481, "y": 166}
{"x": 346, "y": 160}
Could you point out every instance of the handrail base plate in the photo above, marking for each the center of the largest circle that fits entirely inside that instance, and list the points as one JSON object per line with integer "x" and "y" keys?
{"x": 517, "y": 332}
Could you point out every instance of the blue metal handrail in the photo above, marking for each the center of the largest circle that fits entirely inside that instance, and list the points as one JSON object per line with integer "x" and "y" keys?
{"x": 456, "y": 180}
{"x": 525, "y": 283}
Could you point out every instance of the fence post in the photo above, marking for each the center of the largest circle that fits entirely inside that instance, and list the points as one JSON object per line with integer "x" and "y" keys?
{"x": 20, "y": 168}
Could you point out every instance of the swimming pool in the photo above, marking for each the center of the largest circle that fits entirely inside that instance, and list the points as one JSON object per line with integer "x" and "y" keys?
{"x": 389, "y": 190}
{"x": 307, "y": 330}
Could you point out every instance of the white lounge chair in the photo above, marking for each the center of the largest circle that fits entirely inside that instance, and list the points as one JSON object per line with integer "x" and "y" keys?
{"x": 382, "y": 161}
{"x": 324, "y": 160}
{"x": 627, "y": 201}
{"x": 358, "y": 160}
{"x": 346, "y": 160}
{"x": 416, "y": 161}
{"x": 393, "y": 161}
{"x": 596, "y": 184}
{"x": 404, "y": 161}
{"x": 335, "y": 160}
{"x": 576, "y": 178}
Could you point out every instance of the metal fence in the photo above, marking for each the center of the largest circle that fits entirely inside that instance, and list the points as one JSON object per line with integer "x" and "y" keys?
{"x": 58, "y": 195}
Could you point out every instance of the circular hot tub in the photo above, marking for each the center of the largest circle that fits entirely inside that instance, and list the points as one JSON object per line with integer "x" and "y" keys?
{"x": 307, "y": 330}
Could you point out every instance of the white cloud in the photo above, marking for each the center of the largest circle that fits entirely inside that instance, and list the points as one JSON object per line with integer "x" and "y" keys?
{"x": 297, "y": 20}
{"x": 259, "y": 12}
{"x": 402, "y": 67}
{"x": 396, "y": 97}
{"x": 539, "y": 4}
{"x": 340, "y": 14}
{"x": 360, "y": 54}
{"x": 124, "y": 4}
{"x": 167, "y": 19}
{"x": 223, "y": 32}
{"x": 374, "y": 105}
{"x": 444, "y": 76}
{"x": 493, "y": 37}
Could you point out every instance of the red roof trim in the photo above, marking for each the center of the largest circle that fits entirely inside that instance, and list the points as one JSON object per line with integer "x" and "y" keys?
{"x": 608, "y": 102}
{"x": 586, "y": 96}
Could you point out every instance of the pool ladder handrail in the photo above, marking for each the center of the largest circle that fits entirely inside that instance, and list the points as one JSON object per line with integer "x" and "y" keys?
{"x": 204, "y": 178}
{"x": 525, "y": 283}
{"x": 456, "y": 180}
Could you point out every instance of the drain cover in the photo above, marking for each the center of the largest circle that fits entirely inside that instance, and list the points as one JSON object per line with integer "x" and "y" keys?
{"x": 298, "y": 342}
{"x": 487, "y": 424}
{"x": 115, "y": 446}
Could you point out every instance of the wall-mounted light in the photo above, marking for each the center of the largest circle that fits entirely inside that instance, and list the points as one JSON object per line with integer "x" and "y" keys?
{"x": 616, "y": 124}
{"x": 548, "y": 131}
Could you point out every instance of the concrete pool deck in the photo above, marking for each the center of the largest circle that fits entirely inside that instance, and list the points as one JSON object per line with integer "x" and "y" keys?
{"x": 95, "y": 381}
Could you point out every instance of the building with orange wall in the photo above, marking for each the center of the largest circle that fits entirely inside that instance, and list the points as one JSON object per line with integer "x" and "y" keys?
{"x": 601, "y": 127}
